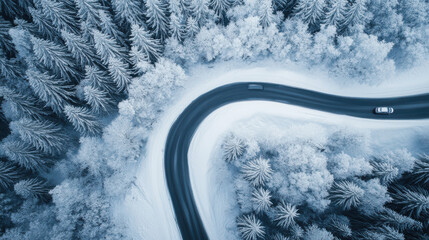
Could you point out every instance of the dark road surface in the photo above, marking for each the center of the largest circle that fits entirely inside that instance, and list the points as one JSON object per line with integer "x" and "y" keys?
{"x": 183, "y": 129}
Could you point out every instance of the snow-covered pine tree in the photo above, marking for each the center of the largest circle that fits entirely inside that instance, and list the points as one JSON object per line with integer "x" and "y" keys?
{"x": 45, "y": 27}
{"x": 279, "y": 236}
{"x": 233, "y": 147}
{"x": 83, "y": 120}
{"x": 261, "y": 198}
{"x": 8, "y": 69}
{"x": 143, "y": 42}
{"x": 5, "y": 40}
{"x": 335, "y": 13}
{"x": 421, "y": 170}
{"x": 23, "y": 154}
{"x": 265, "y": 13}
{"x": 107, "y": 47}
{"x": 44, "y": 135}
{"x": 55, "y": 93}
{"x": 285, "y": 215}
{"x": 98, "y": 79}
{"x": 398, "y": 221}
{"x": 346, "y": 194}
{"x": 8, "y": 174}
{"x": 88, "y": 11}
{"x": 355, "y": 14}
{"x": 258, "y": 171}
{"x": 250, "y": 227}
{"x": 310, "y": 11}
{"x": 220, "y": 7}
{"x": 413, "y": 201}
{"x": 79, "y": 48}
{"x": 55, "y": 57}
{"x": 386, "y": 172}
{"x": 339, "y": 228}
{"x": 128, "y": 11}
{"x": 110, "y": 28}
{"x": 61, "y": 15}
{"x": 97, "y": 99}
{"x": 199, "y": 10}
{"x": 191, "y": 28}
{"x": 156, "y": 12}
{"x": 32, "y": 188}
{"x": 120, "y": 74}
{"x": 22, "y": 105}
{"x": 176, "y": 27}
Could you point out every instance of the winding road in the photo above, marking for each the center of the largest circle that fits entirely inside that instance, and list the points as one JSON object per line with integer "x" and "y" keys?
{"x": 183, "y": 129}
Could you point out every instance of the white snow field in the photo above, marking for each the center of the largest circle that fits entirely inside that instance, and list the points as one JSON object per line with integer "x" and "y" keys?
{"x": 147, "y": 210}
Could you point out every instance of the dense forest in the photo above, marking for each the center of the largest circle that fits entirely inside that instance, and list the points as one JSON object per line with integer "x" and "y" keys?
{"x": 83, "y": 81}
{"x": 326, "y": 184}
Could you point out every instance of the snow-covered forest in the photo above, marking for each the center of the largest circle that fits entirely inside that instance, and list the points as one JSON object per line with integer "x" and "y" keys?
{"x": 326, "y": 183}
{"x": 83, "y": 82}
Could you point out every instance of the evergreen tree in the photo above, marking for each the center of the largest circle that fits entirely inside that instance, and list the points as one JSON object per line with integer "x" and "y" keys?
{"x": 261, "y": 198}
{"x": 128, "y": 11}
{"x": 335, "y": 13}
{"x": 22, "y": 105}
{"x": 107, "y": 47}
{"x": 79, "y": 48}
{"x": 176, "y": 27}
{"x": 386, "y": 172}
{"x": 43, "y": 135}
{"x": 32, "y": 188}
{"x": 8, "y": 174}
{"x": 52, "y": 91}
{"x": 346, "y": 194}
{"x": 55, "y": 57}
{"x": 250, "y": 227}
{"x": 5, "y": 39}
{"x": 233, "y": 148}
{"x": 24, "y": 154}
{"x": 199, "y": 10}
{"x": 279, "y": 236}
{"x": 414, "y": 201}
{"x": 310, "y": 11}
{"x": 83, "y": 120}
{"x": 60, "y": 14}
{"x": 398, "y": 221}
{"x": 110, "y": 28}
{"x": 265, "y": 13}
{"x": 97, "y": 99}
{"x": 8, "y": 69}
{"x": 88, "y": 11}
{"x": 421, "y": 170}
{"x": 355, "y": 14}
{"x": 340, "y": 228}
{"x": 220, "y": 6}
{"x": 45, "y": 27}
{"x": 119, "y": 73}
{"x": 98, "y": 79}
{"x": 142, "y": 41}
{"x": 285, "y": 215}
{"x": 191, "y": 28}
{"x": 258, "y": 171}
{"x": 156, "y": 12}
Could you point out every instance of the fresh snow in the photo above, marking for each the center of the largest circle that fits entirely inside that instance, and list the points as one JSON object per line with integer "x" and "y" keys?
{"x": 147, "y": 209}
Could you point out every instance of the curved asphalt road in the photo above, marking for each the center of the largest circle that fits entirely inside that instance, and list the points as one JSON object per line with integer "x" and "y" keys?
{"x": 183, "y": 129}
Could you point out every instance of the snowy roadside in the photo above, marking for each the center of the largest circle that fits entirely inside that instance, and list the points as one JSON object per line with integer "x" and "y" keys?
{"x": 147, "y": 209}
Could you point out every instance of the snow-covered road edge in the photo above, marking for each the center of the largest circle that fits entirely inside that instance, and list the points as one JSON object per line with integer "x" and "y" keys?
{"x": 147, "y": 209}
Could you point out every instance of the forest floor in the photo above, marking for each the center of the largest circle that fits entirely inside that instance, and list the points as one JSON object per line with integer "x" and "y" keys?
{"x": 147, "y": 209}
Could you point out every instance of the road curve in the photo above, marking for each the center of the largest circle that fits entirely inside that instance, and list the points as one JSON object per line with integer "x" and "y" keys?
{"x": 183, "y": 129}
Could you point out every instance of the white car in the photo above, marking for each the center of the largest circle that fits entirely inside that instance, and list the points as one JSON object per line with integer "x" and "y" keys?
{"x": 383, "y": 110}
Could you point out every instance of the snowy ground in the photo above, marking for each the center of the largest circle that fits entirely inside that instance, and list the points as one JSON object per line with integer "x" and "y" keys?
{"x": 147, "y": 209}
